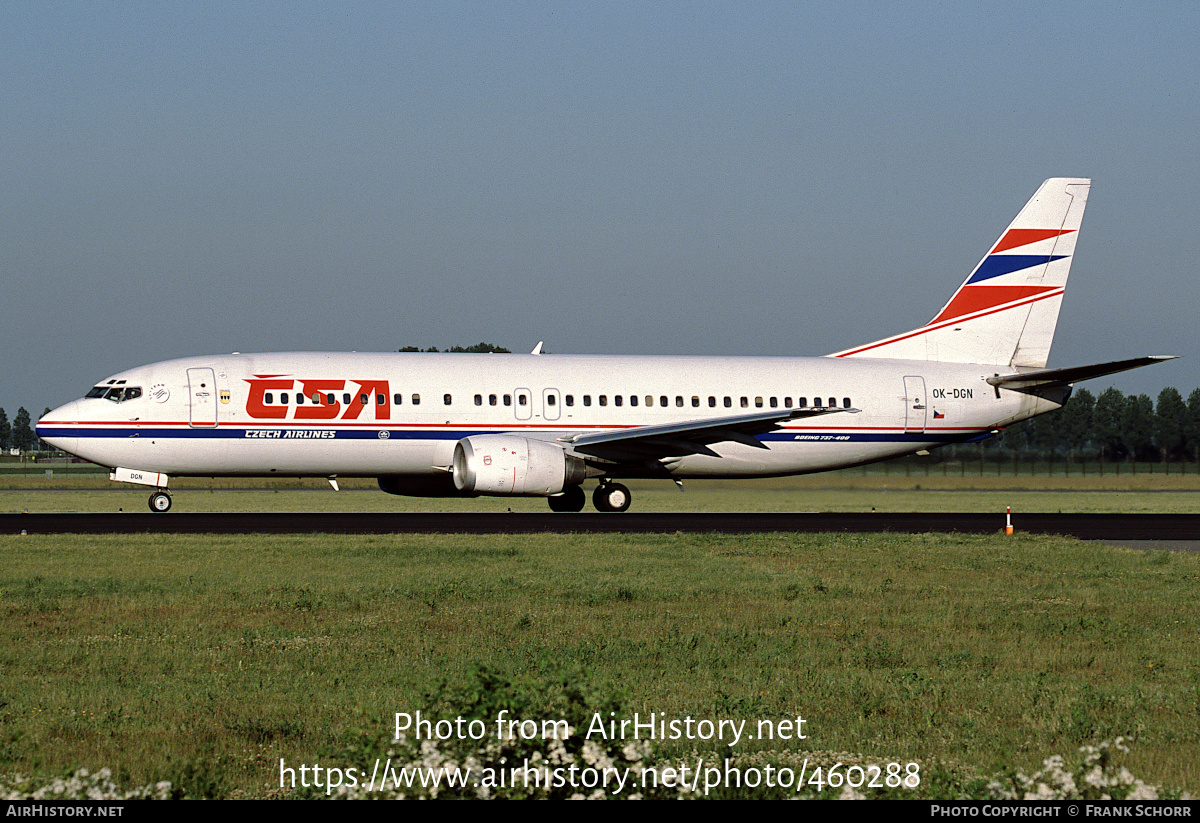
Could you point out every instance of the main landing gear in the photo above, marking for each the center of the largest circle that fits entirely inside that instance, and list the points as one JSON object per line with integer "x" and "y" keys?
{"x": 571, "y": 500}
{"x": 611, "y": 497}
{"x": 608, "y": 497}
{"x": 160, "y": 501}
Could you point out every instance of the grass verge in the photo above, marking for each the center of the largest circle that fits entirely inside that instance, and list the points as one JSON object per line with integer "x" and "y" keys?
{"x": 205, "y": 659}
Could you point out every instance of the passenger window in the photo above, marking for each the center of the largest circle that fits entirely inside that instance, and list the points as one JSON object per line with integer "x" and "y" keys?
{"x": 491, "y": 399}
{"x": 381, "y": 400}
{"x": 346, "y": 399}
{"x": 758, "y": 402}
{"x": 416, "y": 399}
{"x": 508, "y": 399}
{"x": 617, "y": 399}
{"x": 397, "y": 399}
{"x": 633, "y": 401}
{"x": 522, "y": 399}
{"x": 363, "y": 399}
{"x": 446, "y": 399}
{"x": 663, "y": 401}
{"x": 268, "y": 398}
{"x": 803, "y": 402}
{"x": 774, "y": 402}
{"x": 299, "y": 399}
{"x": 745, "y": 402}
{"x": 283, "y": 398}
{"x": 845, "y": 402}
{"x": 549, "y": 400}
{"x": 587, "y": 400}
{"x": 603, "y": 400}
{"x": 569, "y": 399}
{"x": 787, "y": 402}
{"x": 329, "y": 399}
{"x": 479, "y": 400}
{"x": 712, "y": 402}
{"x": 728, "y": 402}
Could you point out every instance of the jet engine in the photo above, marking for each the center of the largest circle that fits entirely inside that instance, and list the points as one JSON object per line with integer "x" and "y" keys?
{"x": 506, "y": 465}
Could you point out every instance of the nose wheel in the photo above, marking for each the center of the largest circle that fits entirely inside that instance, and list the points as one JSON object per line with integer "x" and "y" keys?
{"x": 160, "y": 501}
{"x": 611, "y": 497}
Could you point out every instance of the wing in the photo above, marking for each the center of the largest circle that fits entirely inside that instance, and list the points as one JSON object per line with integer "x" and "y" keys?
{"x": 691, "y": 437}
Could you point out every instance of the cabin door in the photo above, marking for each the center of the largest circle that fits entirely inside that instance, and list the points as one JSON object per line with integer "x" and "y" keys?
{"x": 914, "y": 405}
{"x": 202, "y": 388}
{"x": 550, "y": 403}
{"x": 522, "y": 404}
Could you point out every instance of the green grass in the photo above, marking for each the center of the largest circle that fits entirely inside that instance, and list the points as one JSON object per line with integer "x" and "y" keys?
{"x": 828, "y": 492}
{"x": 204, "y": 659}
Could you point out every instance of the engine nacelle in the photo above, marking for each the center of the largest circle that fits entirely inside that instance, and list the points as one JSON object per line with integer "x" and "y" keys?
{"x": 506, "y": 465}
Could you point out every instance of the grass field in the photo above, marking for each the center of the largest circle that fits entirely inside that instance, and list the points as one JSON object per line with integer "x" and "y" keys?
{"x": 205, "y": 659}
{"x": 848, "y": 491}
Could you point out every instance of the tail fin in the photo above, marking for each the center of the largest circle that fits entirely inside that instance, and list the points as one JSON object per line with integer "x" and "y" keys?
{"x": 1006, "y": 311}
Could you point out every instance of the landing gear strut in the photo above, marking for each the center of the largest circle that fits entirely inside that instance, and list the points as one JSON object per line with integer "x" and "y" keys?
{"x": 571, "y": 500}
{"x": 160, "y": 501}
{"x": 611, "y": 497}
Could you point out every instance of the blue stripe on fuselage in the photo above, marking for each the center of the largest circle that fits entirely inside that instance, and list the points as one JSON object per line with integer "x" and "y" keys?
{"x": 294, "y": 435}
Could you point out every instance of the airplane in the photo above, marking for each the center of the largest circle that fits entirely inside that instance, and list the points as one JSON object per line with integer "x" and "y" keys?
{"x": 437, "y": 425}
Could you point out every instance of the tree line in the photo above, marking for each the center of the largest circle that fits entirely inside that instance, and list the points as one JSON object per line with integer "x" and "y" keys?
{"x": 1113, "y": 427}
{"x": 19, "y": 433}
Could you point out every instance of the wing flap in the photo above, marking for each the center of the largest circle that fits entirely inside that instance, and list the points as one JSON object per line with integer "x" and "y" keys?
{"x": 688, "y": 437}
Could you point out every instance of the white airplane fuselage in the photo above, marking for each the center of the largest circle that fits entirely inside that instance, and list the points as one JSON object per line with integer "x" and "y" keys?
{"x": 211, "y": 416}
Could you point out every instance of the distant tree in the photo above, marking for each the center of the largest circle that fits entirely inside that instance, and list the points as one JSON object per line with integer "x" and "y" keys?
{"x": 1043, "y": 433}
{"x": 23, "y": 437}
{"x": 1075, "y": 420}
{"x": 1192, "y": 431}
{"x": 1014, "y": 436}
{"x": 481, "y": 348}
{"x": 1170, "y": 423}
{"x": 1108, "y": 424}
{"x": 1139, "y": 426}
{"x": 5, "y": 431}
{"x": 478, "y": 348}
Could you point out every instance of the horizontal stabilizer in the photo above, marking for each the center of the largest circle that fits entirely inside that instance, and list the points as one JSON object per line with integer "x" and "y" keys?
{"x": 1065, "y": 377}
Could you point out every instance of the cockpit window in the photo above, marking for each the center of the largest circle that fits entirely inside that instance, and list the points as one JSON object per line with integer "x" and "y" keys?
{"x": 117, "y": 394}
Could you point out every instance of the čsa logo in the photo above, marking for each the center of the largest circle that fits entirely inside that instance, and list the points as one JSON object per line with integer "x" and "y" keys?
{"x": 323, "y": 399}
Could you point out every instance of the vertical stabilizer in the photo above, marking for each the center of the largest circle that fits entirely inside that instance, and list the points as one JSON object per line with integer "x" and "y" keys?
{"x": 1006, "y": 311}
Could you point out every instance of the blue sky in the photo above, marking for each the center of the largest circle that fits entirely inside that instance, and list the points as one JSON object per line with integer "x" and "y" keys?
{"x": 743, "y": 178}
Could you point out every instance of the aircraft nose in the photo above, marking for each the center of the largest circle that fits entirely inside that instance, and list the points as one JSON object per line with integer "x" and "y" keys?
{"x": 57, "y": 427}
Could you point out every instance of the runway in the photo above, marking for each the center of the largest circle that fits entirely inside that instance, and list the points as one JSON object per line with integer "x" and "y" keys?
{"x": 1113, "y": 527}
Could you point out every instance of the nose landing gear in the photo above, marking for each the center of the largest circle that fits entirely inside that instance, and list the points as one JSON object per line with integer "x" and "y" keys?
{"x": 160, "y": 501}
